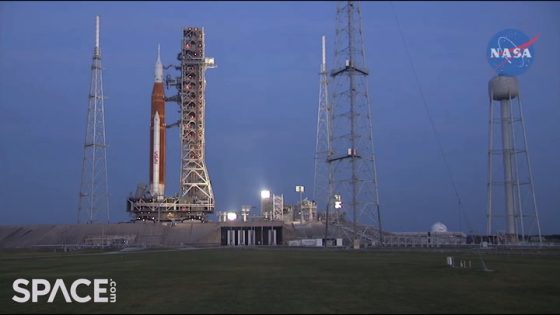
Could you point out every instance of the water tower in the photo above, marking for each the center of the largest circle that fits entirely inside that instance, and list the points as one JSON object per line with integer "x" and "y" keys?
{"x": 512, "y": 207}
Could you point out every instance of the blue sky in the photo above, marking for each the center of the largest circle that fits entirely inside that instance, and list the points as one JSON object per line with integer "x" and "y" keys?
{"x": 262, "y": 101}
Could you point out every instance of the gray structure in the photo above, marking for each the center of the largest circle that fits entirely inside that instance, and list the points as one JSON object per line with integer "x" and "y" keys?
{"x": 321, "y": 181}
{"x": 515, "y": 175}
{"x": 350, "y": 153}
{"x": 94, "y": 192}
{"x": 425, "y": 239}
{"x": 307, "y": 211}
{"x": 251, "y": 233}
{"x": 195, "y": 186}
{"x": 436, "y": 237}
{"x": 144, "y": 235}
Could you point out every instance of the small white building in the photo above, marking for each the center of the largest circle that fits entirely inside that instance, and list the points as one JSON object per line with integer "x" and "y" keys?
{"x": 438, "y": 236}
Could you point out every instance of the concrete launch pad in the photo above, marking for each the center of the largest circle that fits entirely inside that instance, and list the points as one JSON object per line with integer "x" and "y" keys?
{"x": 147, "y": 234}
{"x": 151, "y": 234}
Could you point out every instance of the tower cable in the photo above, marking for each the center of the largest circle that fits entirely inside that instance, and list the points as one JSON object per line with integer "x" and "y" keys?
{"x": 462, "y": 214}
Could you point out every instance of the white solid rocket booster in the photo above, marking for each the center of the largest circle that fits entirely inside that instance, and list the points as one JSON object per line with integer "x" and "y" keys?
{"x": 156, "y": 189}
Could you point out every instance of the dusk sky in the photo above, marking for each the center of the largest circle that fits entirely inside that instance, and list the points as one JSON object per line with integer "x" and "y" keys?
{"x": 262, "y": 102}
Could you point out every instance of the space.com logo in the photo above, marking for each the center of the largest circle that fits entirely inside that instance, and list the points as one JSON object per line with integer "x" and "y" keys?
{"x": 511, "y": 52}
{"x": 32, "y": 290}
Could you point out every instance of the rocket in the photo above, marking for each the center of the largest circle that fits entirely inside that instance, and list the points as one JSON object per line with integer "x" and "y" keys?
{"x": 157, "y": 133}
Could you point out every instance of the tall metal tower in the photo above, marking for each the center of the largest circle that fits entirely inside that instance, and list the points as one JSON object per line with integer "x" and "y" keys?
{"x": 195, "y": 186}
{"x": 352, "y": 157}
{"x": 94, "y": 191}
{"x": 321, "y": 190}
{"x": 520, "y": 205}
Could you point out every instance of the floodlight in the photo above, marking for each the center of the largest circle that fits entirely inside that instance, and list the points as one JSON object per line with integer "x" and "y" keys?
{"x": 265, "y": 194}
{"x": 231, "y": 216}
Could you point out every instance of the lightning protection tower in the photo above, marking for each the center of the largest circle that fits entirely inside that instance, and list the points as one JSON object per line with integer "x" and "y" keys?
{"x": 513, "y": 181}
{"x": 351, "y": 154}
{"x": 94, "y": 193}
{"x": 321, "y": 187}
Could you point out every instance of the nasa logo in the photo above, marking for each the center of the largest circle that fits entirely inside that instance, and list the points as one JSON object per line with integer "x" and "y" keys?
{"x": 511, "y": 52}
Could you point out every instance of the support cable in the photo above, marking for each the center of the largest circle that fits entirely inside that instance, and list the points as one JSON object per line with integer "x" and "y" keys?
{"x": 462, "y": 214}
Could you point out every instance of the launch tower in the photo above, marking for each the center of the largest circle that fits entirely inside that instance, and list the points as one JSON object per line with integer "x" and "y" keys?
{"x": 195, "y": 199}
{"x": 195, "y": 186}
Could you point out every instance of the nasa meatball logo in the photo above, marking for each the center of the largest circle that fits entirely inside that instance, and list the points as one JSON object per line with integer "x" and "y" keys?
{"x": 511, "y": 52}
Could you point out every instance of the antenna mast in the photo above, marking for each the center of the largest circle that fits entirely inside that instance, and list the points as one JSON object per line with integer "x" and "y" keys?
{"x": 94, "y": 192}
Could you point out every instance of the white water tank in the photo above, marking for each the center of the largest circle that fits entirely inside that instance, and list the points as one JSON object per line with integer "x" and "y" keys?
{"x": 503, "y": 88}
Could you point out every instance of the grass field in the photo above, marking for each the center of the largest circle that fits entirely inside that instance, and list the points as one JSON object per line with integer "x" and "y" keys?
{"x": 294, "y": 281}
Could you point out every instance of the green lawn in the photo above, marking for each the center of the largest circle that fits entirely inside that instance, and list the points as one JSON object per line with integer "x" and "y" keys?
{"x": 294, "y": 281}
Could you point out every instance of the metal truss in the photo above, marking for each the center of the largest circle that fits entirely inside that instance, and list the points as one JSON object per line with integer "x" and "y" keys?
{"x": 352, "y": 161}
{"x": 94, "y": 192}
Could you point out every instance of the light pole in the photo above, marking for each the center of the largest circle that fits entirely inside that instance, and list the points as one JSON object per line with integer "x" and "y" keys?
{"x": 245, "y": 209}
{"x": 300, "y": 189}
